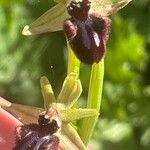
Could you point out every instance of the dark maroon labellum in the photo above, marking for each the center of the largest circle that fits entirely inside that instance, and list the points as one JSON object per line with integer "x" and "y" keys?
{"x": 86, "y": 33}
{"x": 37, "y": 136}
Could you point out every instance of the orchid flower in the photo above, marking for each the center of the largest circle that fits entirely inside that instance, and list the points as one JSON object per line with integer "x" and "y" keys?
{"x": 58, "y": 112}
{"x": 52, "y": 20}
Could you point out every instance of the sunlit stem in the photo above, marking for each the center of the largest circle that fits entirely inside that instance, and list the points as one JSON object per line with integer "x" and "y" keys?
{"x": 73, "y": 61}
{"x": 94, "y": 100}
{"x": 73, "y": 65}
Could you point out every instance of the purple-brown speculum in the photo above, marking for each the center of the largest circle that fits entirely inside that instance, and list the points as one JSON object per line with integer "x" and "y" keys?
{"x": 86, "y": 32}
{"x": 38, "y": 136}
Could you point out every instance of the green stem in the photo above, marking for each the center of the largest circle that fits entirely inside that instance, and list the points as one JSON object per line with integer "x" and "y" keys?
{"x": 94, "y": 100}
{"x": 73, "y": 61}
{"x": 73, "y": 64}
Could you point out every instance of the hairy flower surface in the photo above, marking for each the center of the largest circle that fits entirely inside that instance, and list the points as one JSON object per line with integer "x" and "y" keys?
{"x": 86, "y": 32}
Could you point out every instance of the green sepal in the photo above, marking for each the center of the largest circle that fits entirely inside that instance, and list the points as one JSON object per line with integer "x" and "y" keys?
{"x": 47, "y": 92}
{"x": 72, "y": 114}
{"x": 73, "y": 136}
{"x": 50, "y": 21}
{"x": 71, "y": 90}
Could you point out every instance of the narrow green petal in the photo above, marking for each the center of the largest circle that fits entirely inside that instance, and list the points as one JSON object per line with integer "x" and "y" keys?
{"x": 71, "y": 90}
{"x": 73, "y": 114}
{"x": 76, "y": 92}
{"x": 65, "y": 143}
{"x": 73, "y": 136}
{"x": 50, "y": 21}
{"x": 47, "y": 92}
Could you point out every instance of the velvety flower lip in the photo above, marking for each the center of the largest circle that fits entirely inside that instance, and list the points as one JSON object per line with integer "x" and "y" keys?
{"x": 37, "y": 136}
{"x": 52, "y": 20}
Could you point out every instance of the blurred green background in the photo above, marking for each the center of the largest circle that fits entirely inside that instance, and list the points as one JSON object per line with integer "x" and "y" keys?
{"x": 125, "y": 113}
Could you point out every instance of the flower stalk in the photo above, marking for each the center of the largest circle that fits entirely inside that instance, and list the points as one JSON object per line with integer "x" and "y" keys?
{"x": 86, "y": 126}
{"x": 94, "y": 100}
{"x": 73, "y": 61}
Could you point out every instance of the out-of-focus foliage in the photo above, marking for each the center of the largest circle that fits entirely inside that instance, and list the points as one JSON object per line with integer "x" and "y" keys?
{"x": 125, "y": 116}
{"x": 24, "y": 59}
